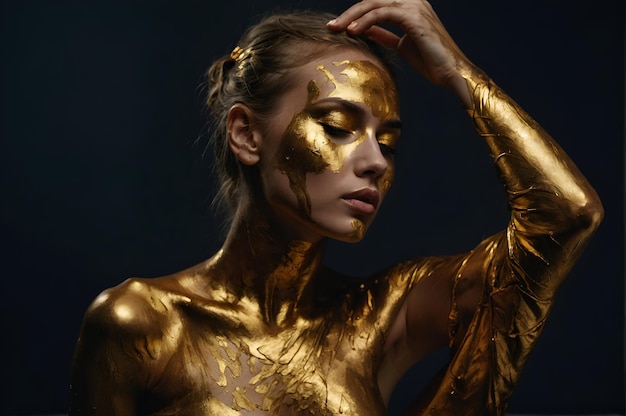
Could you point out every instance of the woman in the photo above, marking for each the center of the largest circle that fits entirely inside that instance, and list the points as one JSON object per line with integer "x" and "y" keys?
{"x": 306, "y": 120}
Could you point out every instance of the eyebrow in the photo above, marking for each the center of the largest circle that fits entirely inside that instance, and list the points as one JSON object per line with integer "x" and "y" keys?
{"x": 393, "y": 124}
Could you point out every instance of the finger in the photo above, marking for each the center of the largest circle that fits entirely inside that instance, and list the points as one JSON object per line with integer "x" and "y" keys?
{"x": 383, "y": 37}
{"x": 393, "y": 13}
{"x": 352, "y": 13}
{"x": 365, "y": 14}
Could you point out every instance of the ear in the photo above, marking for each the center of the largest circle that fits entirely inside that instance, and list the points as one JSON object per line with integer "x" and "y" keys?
{"x": 243, "y": 138}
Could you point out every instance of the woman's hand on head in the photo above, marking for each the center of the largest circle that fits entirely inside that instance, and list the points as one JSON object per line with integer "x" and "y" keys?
{"x": 425, "y": 43}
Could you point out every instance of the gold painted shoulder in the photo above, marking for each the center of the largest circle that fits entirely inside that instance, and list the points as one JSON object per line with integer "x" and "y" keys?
{"x": 133, "y": 308}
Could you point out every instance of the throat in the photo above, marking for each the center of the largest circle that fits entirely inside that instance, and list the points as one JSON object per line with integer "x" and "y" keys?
{"x": 277, "y": 274}
{"x": 288, "y": 288}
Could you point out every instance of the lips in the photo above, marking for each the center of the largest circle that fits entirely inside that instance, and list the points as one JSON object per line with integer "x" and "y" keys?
{"x": 364, "y": 200}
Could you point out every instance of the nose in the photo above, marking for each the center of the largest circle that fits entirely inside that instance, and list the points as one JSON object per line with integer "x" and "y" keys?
{"x": 369, "y": 160}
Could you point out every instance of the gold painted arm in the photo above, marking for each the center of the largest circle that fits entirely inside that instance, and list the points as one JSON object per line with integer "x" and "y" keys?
{"x": 504, "y": 288}
{"x": 102, "y": 376}
{"x": 554, "y": 210}
{"x": 114, "y": 355}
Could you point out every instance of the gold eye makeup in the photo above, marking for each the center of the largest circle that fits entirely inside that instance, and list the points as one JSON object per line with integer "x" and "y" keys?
{"x": 339, "y": 125}
{"x": 333, "y": 123}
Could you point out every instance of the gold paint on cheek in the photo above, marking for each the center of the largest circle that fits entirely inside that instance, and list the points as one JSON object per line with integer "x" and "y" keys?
{"x": 335, "y": 154}
{"x": 305, "y": 146}
{"x": 296, "y": 156}
{"x": 295, "y": 159}
{"x": 387, "y": 179}
{"x": 328, "y": 153}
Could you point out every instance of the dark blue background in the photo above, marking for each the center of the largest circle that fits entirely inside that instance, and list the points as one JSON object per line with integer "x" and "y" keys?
{"x": 101, "y": 179}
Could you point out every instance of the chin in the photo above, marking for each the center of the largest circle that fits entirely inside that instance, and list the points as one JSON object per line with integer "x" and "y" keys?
{"x": 357, "y": 231}
{"x": 349, "y": 239}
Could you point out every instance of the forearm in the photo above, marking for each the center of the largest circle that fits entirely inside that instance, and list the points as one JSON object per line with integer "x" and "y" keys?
{"x": 554, "y": 210}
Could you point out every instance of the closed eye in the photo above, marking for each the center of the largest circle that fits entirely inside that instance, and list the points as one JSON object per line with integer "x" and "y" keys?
{"x": 386, "y": 150}
{"x": 336, "y": 132}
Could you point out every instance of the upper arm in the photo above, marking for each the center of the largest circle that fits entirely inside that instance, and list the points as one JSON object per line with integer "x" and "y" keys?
{"x": 513, "y": 274}
{"x": 114, "y": 354}
{"x": 520, "y": 269}
{"x": 423, "y": 322}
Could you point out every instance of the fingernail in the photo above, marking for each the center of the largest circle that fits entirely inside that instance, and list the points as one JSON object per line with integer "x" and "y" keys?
{"x": 352, "y": 25}
{"x": 331, "y": 22}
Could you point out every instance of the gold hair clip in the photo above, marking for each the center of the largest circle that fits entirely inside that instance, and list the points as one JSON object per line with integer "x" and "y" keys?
{"x": 239, "y": 54}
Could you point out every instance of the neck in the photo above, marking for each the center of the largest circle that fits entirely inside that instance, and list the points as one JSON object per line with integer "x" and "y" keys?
{"x": 260, "y": 263}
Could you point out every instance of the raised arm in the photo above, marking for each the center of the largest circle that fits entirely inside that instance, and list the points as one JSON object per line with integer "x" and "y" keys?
{"x": 530, "y": 162}
{"x": 498, "y": 296}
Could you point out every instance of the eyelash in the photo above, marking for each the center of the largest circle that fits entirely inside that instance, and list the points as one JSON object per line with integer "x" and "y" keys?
{"x": 386, "y": 150}
{"x": 335, "y": 131}
{"x": 339, "y": 132}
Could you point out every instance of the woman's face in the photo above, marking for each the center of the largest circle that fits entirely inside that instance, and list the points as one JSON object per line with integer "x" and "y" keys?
{"x": 327, "y": 160}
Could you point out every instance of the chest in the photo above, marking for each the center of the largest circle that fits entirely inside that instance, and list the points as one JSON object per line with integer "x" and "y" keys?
{"x": 320, "y": 367}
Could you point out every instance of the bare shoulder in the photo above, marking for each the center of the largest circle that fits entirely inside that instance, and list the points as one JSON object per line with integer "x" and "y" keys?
{"x": 131, "y": 334}
{"x": 155, "y": 306}
{"x": 132, "y": 307}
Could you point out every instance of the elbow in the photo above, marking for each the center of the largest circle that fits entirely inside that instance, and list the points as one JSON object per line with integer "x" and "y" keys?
{"x": 589, "y": 215}
{"x": 597, "y": 213}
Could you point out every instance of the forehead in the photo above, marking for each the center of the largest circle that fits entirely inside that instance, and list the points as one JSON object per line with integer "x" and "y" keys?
{"x": 351, "y": 76}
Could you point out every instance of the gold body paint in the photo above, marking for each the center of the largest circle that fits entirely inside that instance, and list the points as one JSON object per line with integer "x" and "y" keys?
{"x": 263, "y": 329}
{"x": 306, "y": 147}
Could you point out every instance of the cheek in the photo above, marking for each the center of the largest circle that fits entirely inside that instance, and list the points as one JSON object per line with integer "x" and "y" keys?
{"x": 386, "y": 180}
{"x": 305, "y": 149}
{"x": 295, "y": 159}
